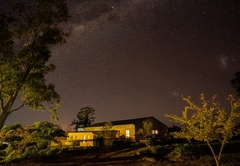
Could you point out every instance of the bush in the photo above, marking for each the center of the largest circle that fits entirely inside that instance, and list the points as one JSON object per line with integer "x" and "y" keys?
{"x": 42, "y": 152}
{"x": 228, "y": 158}
{"x": 186, "y": 149}
{"x": 181, "y": 151}
{"x": 145, "y": 152}
{"x": 121, "y": 143}
{"x": 11, "y": 154}
{"x": 62, "y": 150}
{"x": 2, "y": 153}
{"x": 207, "y": 159}
{"x": 158, "y": 151}
{"x": 3, "y": 146}
{"x": 174, "y": 152}
{"x": 53, "y": 151}
{"x": 28, "y": 154}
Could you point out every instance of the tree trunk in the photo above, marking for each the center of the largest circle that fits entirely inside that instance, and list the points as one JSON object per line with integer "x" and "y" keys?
{"x": 221, "y": 149}
{"x": 5, "y": 110}
{"x": 3, "y": 118}
{"x": 214, "y": 154}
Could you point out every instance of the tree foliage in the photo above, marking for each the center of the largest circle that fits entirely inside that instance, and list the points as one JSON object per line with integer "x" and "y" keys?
{"x": 21, "y": 139}
{"x": 235, "y": 82}
{"x": 107, "y": 131}
{"x": 45, "y": 132}
{"x": 85, "y": 117}
{"x": 27, "y": 33}
{"x": 146, "y": 131}
{"x": 208, "y": 122}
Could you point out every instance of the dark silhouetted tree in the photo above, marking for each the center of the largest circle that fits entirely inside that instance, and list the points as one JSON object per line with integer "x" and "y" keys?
{"x": 85, "y": 117}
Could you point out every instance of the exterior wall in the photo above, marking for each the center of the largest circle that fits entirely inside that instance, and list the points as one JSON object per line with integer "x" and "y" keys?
{"x": 131, "y": 127}
{"x": 125, "y": 130}
{"x": 160, "y": 130}
{"x": 81, "y": 138}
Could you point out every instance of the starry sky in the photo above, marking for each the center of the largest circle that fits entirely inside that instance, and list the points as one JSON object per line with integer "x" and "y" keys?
{"x": 135, "y": 58}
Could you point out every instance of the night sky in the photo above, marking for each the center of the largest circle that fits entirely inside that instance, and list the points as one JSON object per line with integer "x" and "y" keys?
{"x": 135, "y": 58}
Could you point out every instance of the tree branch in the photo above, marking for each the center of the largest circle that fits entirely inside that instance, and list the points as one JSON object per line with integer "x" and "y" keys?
{"x": 16, "y": 108}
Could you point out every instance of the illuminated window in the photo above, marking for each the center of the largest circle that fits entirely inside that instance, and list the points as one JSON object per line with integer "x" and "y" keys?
{"x": 84, "y": 138}
{"x": 89, "y": 136}
{"x": 127, "y": 133}
{"x": 154, "y": 131}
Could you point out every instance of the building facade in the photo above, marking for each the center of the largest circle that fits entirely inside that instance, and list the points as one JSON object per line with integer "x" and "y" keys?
{"x": 122, "y": 129}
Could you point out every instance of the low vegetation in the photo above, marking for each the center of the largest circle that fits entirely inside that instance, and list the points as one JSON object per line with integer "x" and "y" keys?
{"x": 27, "y": 141}
{"x": 198, "y": 153}
{"x": 176, "y": 154}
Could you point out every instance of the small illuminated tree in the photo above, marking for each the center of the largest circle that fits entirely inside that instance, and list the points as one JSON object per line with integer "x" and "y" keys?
{"x": 208, "y": 122}
{"x": 146, "y": 131}
{"x": 107, "y": 131}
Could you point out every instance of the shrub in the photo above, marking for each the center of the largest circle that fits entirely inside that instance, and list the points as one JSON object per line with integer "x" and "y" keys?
{"x": 206, "y": 159}
{"x": 52, "y": 151}
{"x": 62, "y": 150}
{"x": 145, "y": 152}
{"x": 10, "y": 156}
{"x": 2, "y": 153}
{"x": 184, "y": 149}
{"x": 174, "y": 152}
{"x": 158, "y": 151}
{"x": 228, "y": 158}
{"x": 121, "y": 143}
{"x": 3, "y": 146}
{"x": 181, "y": 151}
{"x": 42, "y": 152}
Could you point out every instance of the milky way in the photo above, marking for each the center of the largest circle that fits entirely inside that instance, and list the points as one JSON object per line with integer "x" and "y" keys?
{"x": 130, "y": 59}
